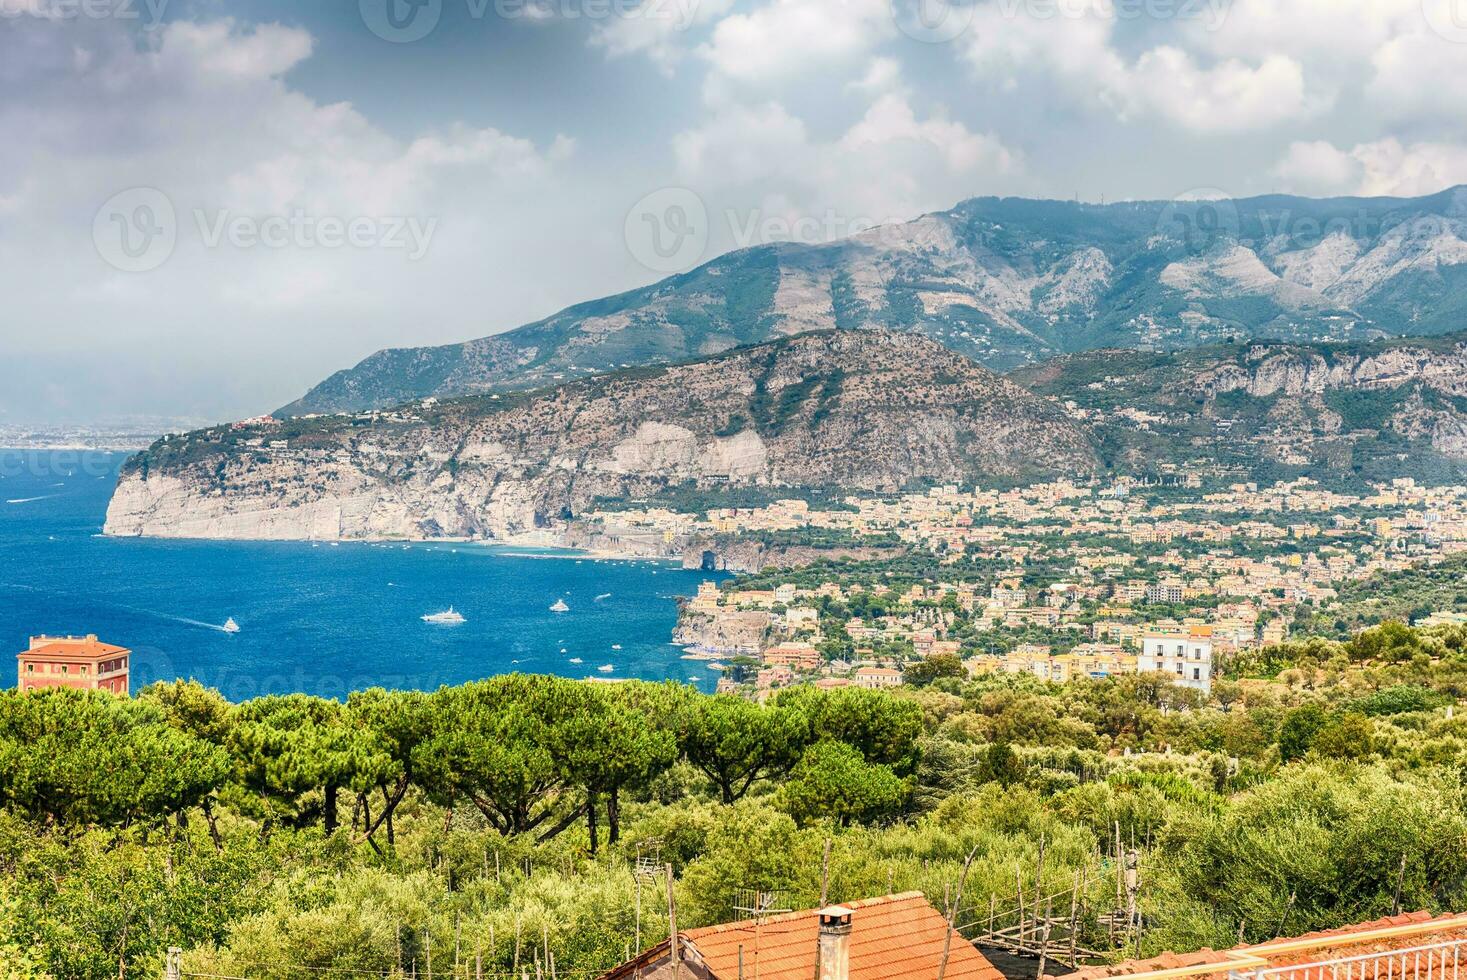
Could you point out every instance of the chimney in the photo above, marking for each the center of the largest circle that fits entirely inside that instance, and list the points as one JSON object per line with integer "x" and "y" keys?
{"x": 835, "y": 943}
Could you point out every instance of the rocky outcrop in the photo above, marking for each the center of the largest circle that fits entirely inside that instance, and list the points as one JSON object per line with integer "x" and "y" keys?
{"x": 855, "y": 410}
{"x": 742, "y": 555}
{"x": 729, "y": 631}
{"x": 1369, "y": 411}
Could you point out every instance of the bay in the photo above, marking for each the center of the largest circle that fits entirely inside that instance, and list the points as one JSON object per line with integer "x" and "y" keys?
{"x": 318, "y": 619}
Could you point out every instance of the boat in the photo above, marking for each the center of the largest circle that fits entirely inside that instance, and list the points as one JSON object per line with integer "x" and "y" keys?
{"x": 230, "y": 626}
{"x": 603, "y": 597}
{"x": 616, "y": 646}
{"x": 606, "y": 668}
{"x": 448, "y": 616}
{"x": 560, "y": 606}
{"x": 576, "y": 660}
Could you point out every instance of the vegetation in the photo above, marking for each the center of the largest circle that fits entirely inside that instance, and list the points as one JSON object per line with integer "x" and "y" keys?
{"x": 502, "y": 819}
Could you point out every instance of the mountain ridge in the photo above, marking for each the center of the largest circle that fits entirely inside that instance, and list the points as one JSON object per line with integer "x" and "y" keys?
{"x": 1006, "y": 281}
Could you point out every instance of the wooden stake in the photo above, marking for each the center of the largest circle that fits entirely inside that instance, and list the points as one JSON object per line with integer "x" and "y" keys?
{"x": 825, "y": 873}
{"x": 672, "y": 927}
{"x": 952, "y": 915}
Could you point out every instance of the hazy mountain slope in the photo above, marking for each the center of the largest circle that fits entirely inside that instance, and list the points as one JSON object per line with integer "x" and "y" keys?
{"x": 1373, "y": 410}
{"x": 854, "y": 410}
{"x": 1007, "y": 281}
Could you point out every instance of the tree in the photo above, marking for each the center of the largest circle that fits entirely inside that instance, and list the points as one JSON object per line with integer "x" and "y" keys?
{"x": 834, "y": 782}
{"x": 1001, "y": 765}
{"x": 735, "y": 742}
{"x": 287, "y": 748}
{"x": 883, "y": 728}
{"x": 1299, "y": 730}
{"x": 924, "y": 672}
{"x": 79, "y": 757}
{"x": 1351, "y": 736}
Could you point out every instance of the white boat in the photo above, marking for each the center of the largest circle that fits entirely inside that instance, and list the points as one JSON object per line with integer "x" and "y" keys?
{"x": 603, "y": 597}
{"x": 230, "y": 626}
{"x": 560, "y": 606}
{"x": 576, "y": 660}
{"x": 616, "y": 646}
{"x": 606, "y": 668}
{"x": 448, "y": 616}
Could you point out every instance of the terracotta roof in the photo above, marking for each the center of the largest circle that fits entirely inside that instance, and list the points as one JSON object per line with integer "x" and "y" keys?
{"x": 84, "y": 648}
{"x": 894, "y": 936}
{"x": 1285, "y": 951}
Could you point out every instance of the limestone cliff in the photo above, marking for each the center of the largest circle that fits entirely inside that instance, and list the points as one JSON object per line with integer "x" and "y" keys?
{"x": 863, "y": 410}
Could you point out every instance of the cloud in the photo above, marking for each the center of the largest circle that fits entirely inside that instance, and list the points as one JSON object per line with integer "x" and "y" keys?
{"x": 662, "y": 30}
{"x": 890, "y": 165}
{"x": 1076, "y": 50}
{"x": 202, "y": 113}
{"x": 1385, "y": 167}
{"x": 787, "y": 38}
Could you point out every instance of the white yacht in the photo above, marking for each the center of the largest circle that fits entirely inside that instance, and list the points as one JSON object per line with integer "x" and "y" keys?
{"x": 448, "y": 616}
{"x": 560, "y": 606}
{"x": 230, "y": 626}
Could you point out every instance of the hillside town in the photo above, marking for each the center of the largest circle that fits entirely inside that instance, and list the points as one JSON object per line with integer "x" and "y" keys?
{"x": 1058, "y": 580}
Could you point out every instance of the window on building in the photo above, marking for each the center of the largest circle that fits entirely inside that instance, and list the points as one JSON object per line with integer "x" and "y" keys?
{"x": 64, "y": 669}
{"x": 30, "y": 668}
{"x": 84, "y": 670}
{"x": 1197, "y": 673}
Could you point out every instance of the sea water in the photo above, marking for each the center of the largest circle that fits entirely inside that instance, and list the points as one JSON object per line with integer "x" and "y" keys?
{"x": 320, "y": 619}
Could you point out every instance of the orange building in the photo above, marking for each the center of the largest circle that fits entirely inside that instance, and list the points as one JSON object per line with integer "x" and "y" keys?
{"x": 81, "y": 662}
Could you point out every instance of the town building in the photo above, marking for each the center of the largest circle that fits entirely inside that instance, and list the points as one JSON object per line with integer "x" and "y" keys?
{"x": 79, "y": 662}
{"x": 1187, "y": 656}
{"x": 888, "y": 937}
{"x": 877, "y": 677}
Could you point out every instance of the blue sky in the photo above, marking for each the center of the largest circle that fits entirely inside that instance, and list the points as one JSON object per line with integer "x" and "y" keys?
{"x": 328, "y": 192}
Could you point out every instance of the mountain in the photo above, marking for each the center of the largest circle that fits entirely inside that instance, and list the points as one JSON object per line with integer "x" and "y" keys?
{"x": 1371, "y": 411}
{"x": 1006, "y": 281}
{"x": 839, "y": 409}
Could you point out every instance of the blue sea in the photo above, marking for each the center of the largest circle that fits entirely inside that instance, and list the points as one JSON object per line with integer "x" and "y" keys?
{"x": 319, "y": 619}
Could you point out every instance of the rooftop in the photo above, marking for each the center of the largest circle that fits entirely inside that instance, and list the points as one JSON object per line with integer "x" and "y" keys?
{"x": 1411, "y": 930}
{"x": 892, "y": 937}
{"x": 72, "y": 648}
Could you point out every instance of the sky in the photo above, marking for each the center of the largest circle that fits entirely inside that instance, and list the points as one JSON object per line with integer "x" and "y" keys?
{"x": 208, "y": 206}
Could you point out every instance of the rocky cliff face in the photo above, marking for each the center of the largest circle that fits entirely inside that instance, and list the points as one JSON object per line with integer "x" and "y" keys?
{"x": 1391, "y": 408}
{"x": 857, "y": 410}
{"x": 1006, "y": 281}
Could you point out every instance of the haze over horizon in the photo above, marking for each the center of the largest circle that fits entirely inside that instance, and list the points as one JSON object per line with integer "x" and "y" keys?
{"x": 347, "y": 178}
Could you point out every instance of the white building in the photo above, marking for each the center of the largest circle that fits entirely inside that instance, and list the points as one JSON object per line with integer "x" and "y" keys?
{"x": 1187, "y": 657}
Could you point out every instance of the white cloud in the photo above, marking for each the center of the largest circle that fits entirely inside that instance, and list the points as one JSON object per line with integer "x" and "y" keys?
{"x": 201, "y": 112}
{"x": 1385, "y": 167}
{"x": 890, "y": 165}
{"x": 1010, "y": 47}
{"x": 787, "y": 38}
{"x": 662, "y": 30}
